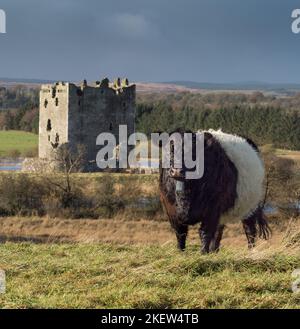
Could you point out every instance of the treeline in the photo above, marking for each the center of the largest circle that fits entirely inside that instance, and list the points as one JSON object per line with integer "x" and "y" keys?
{"x": 266, "y": 119}
{"x": 19, "y": 108}
{"x": 18, "y": 96}
{"x": 263, "y": 124}
{"x": 217, "y": 100}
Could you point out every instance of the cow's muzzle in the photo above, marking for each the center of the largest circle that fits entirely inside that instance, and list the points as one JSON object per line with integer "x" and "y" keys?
{"x": 177, "y": 173}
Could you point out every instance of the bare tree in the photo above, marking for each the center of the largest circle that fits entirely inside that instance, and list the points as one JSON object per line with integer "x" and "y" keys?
{"x": 66, "y": 161}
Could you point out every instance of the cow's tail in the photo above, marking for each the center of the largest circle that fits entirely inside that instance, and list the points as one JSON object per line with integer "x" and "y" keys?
{"x": 264, "y": 230}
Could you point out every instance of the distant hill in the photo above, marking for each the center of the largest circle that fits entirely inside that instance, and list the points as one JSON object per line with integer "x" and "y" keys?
{"x": 185, "y": 86}
{"x": 24, "y": 81}
{"x": 247, "y": 85}
{"x": 142, "y": 87}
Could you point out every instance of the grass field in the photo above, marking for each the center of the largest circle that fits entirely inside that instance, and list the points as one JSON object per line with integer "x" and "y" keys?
{"x": 134, "y": 264}
{"x": 14, "y": 142}
{"x": 128, "y": 262}
{"x": 111, "y": 276}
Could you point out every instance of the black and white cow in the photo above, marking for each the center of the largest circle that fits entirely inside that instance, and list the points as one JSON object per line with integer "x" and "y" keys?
{"x": 231, "y": 186}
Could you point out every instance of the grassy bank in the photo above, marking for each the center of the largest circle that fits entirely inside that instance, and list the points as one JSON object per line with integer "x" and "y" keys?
{"x": 110, "y": 276}
{"x": 116, "y": 263}
{"x": 18, "y": 143}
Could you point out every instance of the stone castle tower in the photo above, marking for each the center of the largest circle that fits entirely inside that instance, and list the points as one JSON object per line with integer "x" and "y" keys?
{"x": 78, "y": 114}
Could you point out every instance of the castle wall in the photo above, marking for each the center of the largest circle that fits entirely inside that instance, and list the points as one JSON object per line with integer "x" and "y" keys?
{"x": 126, "y": 105}
{"x": 96, "y": 110}
{"x": 78, "y": 114}
{"x": 53, "y": 121}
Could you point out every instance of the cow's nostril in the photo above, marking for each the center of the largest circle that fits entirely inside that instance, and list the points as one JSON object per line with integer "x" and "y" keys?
{"x": 174, "y": 172}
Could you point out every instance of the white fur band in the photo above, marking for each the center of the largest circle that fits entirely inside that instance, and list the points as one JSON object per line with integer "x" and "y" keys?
{"x": 250, "y": 173}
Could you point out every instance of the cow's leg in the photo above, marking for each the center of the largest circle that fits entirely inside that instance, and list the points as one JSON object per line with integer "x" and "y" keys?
{"x": 181, "y": 235}
{"x": 215, "y": 243}
{"x": 249, "y": 225}
{"x": 207, "y": 233}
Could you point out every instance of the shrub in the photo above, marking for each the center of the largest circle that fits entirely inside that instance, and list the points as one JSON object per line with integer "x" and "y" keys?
{"x": 65, "y": 196}
{"x": 106, "y": 197}
{"x": 14, "y": 154}
{"x": 21, "y": 195}
{"x": 78, "y": 206}
{"x": 31, "y": 153}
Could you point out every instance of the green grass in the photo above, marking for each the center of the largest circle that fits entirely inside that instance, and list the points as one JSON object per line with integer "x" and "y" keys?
{"x": 112, "y": 276}
{"x": 20, "y": 141}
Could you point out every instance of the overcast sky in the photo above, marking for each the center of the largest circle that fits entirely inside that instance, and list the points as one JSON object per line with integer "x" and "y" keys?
{"x": 151, "y": 40}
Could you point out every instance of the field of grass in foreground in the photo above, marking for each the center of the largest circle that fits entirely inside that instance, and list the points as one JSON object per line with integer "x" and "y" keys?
{"x": 115, "y": 276}
{"x": 20, "y": 141}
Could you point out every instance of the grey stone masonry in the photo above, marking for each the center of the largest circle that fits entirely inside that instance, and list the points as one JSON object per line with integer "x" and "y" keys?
{"x": 78, "y": 114}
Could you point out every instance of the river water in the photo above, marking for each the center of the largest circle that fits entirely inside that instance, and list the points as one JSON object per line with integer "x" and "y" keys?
{"x": 10, "y": 165}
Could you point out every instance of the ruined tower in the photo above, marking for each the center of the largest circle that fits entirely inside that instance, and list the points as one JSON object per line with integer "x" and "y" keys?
{"x": 78, "y": 114}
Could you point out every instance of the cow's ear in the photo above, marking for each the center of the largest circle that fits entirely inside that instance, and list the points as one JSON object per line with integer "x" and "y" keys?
{"x": 208, "y": 139}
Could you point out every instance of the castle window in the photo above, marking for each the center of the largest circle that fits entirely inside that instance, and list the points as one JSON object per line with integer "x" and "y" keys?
{"x": 79, "y": 103}
{"x": 49, "y": 125}
{"x": 111, "y": 127}
{"x": 49, "y": 138}
{"x": 56, "y": 101}
{"x": 45, "y": 103}
{"x": 56, "y": 138}
{"x": 53, "y": 92}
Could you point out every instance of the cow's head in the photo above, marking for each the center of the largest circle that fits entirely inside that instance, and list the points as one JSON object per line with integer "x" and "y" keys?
{"x": 177, "y": 165}
{"x": 184, "y": 148}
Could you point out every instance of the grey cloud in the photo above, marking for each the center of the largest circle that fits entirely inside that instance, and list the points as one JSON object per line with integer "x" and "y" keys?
{"x": 132, "y": 26}
{"x": 158, "y": 40}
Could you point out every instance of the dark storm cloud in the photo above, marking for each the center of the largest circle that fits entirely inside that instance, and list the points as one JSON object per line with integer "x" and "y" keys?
{"x": 158, "y": 40}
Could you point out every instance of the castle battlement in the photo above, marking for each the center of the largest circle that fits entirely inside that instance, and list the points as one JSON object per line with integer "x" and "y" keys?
{"x": 117, "y": 87}
{"x": 77, "y": 114}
